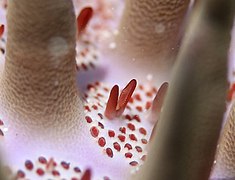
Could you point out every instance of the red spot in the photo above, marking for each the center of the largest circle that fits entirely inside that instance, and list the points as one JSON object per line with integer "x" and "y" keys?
{"x": 87, "y": 108}
{"x": 131, "y": 126}
{"x": 100, "y": 95}
{"x": 94, "y": 131}
{"x": 88, "y": 119}
{"x": 83, "y": 18}
{"x": 20, "y": 174}
{"x": 74, "y": 178}
{"x": 121, "y": 138}
{"x": 97, "y": 83}
{"x": 148, "y": 105}
{"x": 84, "y": 66}
{"x": 128, "y": 146}
{"x": 128, "y": 155}
{"x": 142, "y": 131}
{"x": 132, "y": 137}
{"x": 101, "y": 125}
{"x": 133, "y": 163}
{"x": 154, "y": 90}
{"x": 123, "y": 130}
{"x": 101, "y": 116}
{"x": 54, "y": 164}
{"x": 55, "y": 173}
{"x": 40, "y": 172}
{"x": 109, "y": 152}
{"x": 117, "y": 146}
{"x": 65, "y": 165}
{"x": 2, "y": 27}
{"x": 106, "y": 89}
{"x": 95, "y": 107}
{"x": 137, "y": 118}
{"x": 138, "y": 97}
{"x": 42, "y": 160}
{"x": 141, "y": 87}
{"x": 143, "y": 158}
{"x": 144, "y": 141}
{"x": 1, "y": 123}
{"x": 5, "y": 4}
{"x": 139, "y": 108}
{"x": 138, "y": 149}
{"x": 106, "y": 178}
{"x": 28, "y": 165}
{"x": 86, "y": 175}
{"x": 90, "y": 86}
{"x": 99, "y": 104}
{"x": 111, "y": 133}
{"x": 102, "y": 141}
{"x": 149, "y": 94}
{"x": 77, "y": 169}
{"x": 128, "y": 117}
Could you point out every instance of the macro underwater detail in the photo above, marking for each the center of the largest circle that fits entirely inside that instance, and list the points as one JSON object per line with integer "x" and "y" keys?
{"x": 83, "y": 85}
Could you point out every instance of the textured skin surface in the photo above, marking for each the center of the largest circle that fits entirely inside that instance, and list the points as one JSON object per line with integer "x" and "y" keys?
{"x": 225, "y": 157}
{"x": 187, "y": 133}
{"x": 151, "y": 28}
{"x": 39, "y": 82}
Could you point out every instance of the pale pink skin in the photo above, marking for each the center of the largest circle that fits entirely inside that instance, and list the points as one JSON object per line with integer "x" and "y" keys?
{"x": 68, "y": 146}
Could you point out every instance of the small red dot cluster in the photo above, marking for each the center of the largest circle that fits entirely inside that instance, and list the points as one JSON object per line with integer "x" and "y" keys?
{"x": 131, "y": 138}
{"x": 83, "y": 62}
{"x": 50, "y": 169}
{"x": 87, "y": 53}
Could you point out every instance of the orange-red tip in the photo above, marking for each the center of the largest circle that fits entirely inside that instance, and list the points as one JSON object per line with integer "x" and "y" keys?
{"x": 84, "y": 18}
{"x": 2, "y": 28}
{"x": 116, "y": 106}
{"x": 157, "y": 103}
{"x": 127, "y": 93}
{"x": 110, "y": 111}
{"x": 159, "y": 98}
{"x": 86, "y": 175}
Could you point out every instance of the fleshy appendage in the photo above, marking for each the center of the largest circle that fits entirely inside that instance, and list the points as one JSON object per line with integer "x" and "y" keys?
{"x": 148, "y": 38}
{"x": 185, "y": 141}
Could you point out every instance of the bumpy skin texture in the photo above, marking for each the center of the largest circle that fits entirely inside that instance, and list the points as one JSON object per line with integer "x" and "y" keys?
{"x": 3, "y": 173}
{"x": 39, "y": 80}
{"x": 150, "y": 29}
{"x": 186, "y": 136}
{"x": 225, "y": 157}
